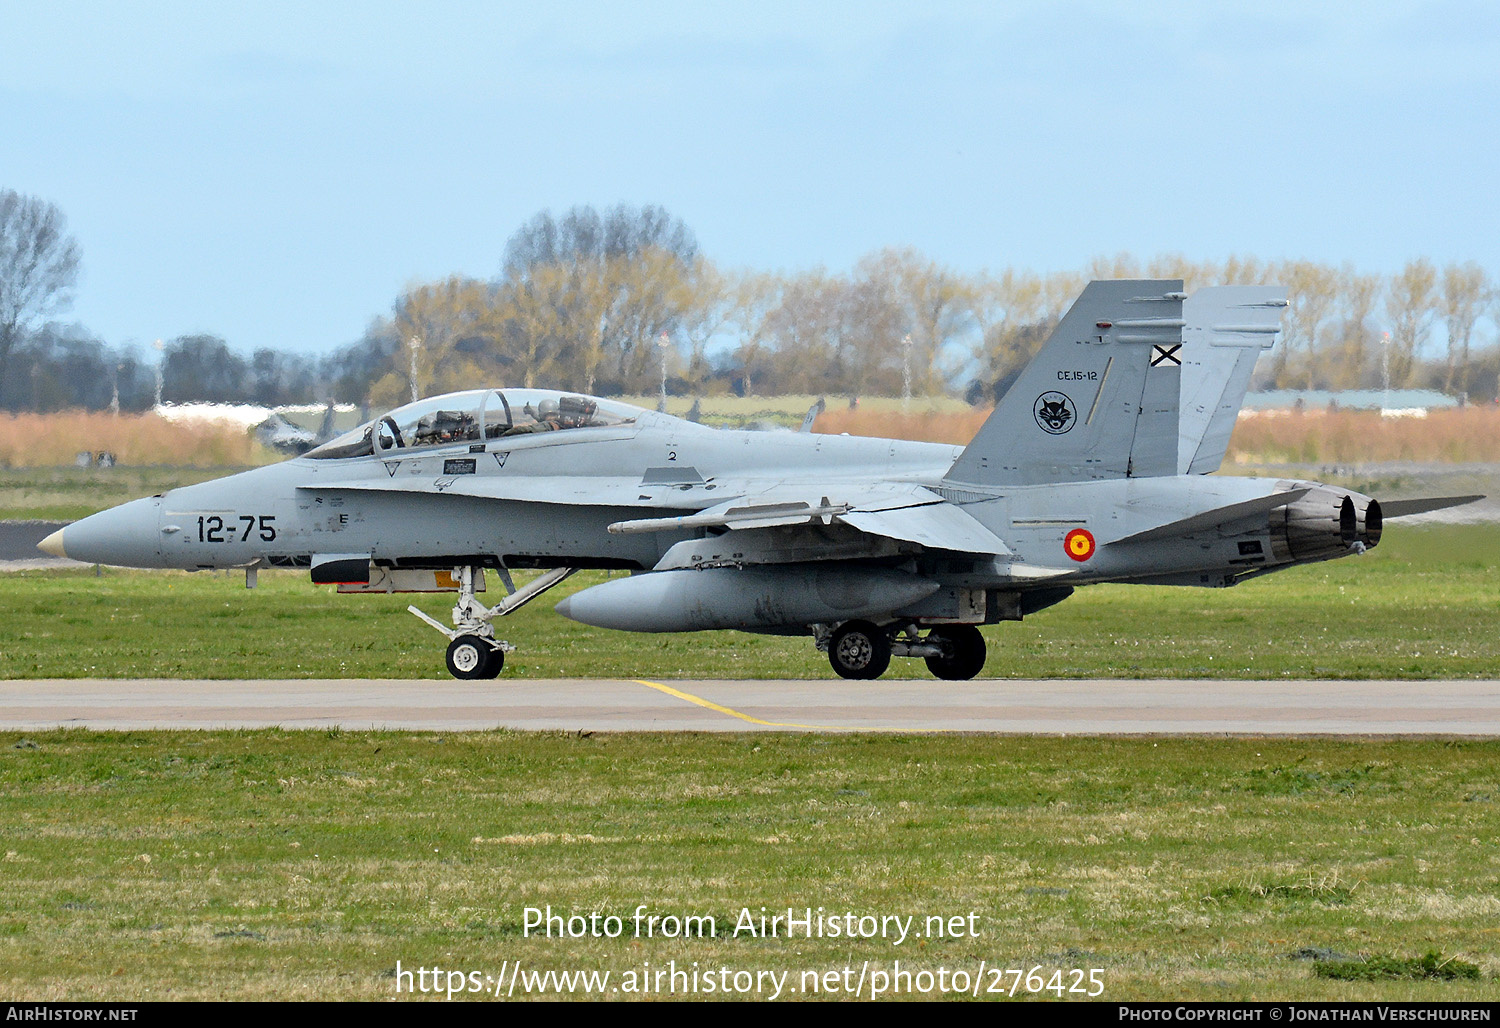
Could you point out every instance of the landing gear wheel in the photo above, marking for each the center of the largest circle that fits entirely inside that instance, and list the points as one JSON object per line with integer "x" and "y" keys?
{"x": 859, "y": 650}
{"x": 471, "y": 657}
{"x": 494, "y": 662}
{"x": 964, "y": 649}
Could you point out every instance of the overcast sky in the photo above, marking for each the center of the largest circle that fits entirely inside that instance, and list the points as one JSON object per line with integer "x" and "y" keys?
{"x": 275, "y": 174}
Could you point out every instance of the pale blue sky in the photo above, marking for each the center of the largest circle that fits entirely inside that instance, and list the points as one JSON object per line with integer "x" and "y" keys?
{"x": 275, "y": 173}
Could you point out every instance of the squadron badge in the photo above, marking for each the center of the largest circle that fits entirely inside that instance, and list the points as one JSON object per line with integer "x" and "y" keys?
{"x": 1054, "y": 413}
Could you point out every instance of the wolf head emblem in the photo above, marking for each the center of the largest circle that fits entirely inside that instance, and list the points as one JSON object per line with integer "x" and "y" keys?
{"x": 1054, "y": 413}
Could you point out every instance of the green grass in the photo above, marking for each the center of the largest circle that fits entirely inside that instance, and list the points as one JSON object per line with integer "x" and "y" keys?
{"x": 67, "y": 494}
{"x": 1373, "y": 969}
{"x": 1424, "y": 604}
{"x": 306, "y": 864}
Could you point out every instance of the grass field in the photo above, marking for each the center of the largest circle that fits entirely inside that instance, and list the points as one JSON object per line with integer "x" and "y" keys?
{"x": 1465, "y": 435}
{"x": 305, "y": 865}
{"x": 67, "y": 494}
{"x": 1424, "y": 604}
{"x": 56, "y": 439}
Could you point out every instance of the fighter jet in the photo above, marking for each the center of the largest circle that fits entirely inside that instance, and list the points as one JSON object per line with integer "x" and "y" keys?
{"x": 1092, "y": 468}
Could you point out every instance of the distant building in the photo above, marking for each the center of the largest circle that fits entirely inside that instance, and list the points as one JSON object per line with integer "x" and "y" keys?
{"x": 1392, "y": 402}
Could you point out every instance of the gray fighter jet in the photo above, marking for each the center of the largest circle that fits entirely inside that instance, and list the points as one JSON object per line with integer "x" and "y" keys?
{"x": 1091, "y": 469}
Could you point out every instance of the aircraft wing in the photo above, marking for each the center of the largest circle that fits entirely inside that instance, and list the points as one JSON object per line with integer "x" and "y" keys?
{"x": 903, "y": 513}
{"x": 936, "y": 526}
{"x": 908, "y": 514}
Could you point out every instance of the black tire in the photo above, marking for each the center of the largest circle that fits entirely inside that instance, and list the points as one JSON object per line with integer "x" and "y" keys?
{"x": 964, "y": 651}
{"x": 469, "y": 657}
{"x": 859, "y": 650}
{"x": 494, "y": 663}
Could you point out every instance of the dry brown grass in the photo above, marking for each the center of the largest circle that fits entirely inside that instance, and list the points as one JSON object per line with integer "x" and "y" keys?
{"x": 1469, "y": 435}
{"x": 922, "y": 426}
{"x": 53, "y": 440}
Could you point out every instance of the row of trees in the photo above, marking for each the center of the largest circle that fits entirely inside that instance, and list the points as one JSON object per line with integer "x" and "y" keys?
{"x": 65, "y": 368}
{"x": 607, "y": 302}
{"x": 573, "y": 311}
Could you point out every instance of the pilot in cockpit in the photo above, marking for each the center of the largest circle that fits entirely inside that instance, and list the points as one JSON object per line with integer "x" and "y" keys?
{"x": 445, "y": 426}
{"x": 550, "y": 415}
{"x": 546, "y": 419}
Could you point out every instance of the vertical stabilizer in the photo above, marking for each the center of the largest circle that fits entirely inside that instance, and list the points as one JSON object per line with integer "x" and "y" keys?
{"x": 1100, "y": 400}
{"x": 1226, "y": 329}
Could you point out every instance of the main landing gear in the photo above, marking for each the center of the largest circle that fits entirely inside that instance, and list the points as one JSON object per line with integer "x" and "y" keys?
{"x": 862, "y": 650}
{"x": 473, "y": 650}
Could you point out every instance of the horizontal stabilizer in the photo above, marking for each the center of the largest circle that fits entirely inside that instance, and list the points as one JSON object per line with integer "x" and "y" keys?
{"x": 1406, "y": 508}
{"x": 1218, "y": 516}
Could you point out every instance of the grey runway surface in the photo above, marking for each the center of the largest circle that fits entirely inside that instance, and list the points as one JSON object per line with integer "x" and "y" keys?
{"x": 1470, "y": 708}
{"x": 18, "y": 550}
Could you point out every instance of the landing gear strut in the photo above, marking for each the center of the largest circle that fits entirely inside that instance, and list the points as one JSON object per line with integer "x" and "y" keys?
{"x": 473, "y": 650}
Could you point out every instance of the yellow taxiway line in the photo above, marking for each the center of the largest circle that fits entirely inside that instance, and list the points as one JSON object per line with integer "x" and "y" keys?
{"x": 711, "y": 705}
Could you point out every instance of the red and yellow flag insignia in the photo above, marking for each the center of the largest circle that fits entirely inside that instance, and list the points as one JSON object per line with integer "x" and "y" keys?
{"x": 1080, "y": 544}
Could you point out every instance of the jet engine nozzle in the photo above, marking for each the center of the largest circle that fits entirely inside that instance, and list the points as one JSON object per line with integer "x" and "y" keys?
{"x": 1327, "y": 522}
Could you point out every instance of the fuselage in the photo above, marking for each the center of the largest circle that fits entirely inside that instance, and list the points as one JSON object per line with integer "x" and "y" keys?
{"x": 546, "y": 498}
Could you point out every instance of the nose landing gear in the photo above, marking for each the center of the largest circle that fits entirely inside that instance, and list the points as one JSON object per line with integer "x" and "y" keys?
{"x": 473, "y": 650}
{"x": 473, "y": 656}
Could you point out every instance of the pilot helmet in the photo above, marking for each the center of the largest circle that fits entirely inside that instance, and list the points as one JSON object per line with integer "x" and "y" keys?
{"x": 547, "y": 410}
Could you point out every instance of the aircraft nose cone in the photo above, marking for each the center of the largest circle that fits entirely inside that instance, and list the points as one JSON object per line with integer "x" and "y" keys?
{"x": 53, "y": 544}
{"x": 125, "y": 536}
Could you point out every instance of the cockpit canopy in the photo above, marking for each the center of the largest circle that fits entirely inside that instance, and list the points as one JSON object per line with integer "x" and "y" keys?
{"x": 475, "y": 415}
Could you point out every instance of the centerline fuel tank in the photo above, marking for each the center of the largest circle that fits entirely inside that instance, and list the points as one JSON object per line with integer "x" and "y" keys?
{"x": 744, "y": 598}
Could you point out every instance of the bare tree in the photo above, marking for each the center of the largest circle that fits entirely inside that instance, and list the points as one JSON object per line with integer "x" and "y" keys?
{"x": 1313, "y": 291}
{"x": 1352, "y": 366}
{"x": 1409, "y": 307}
{"x": 1465, "y": 293}
{"x": 627, "y": 270}
{"x": 1003, "y": 306}
{"x": 38, "y": 266}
